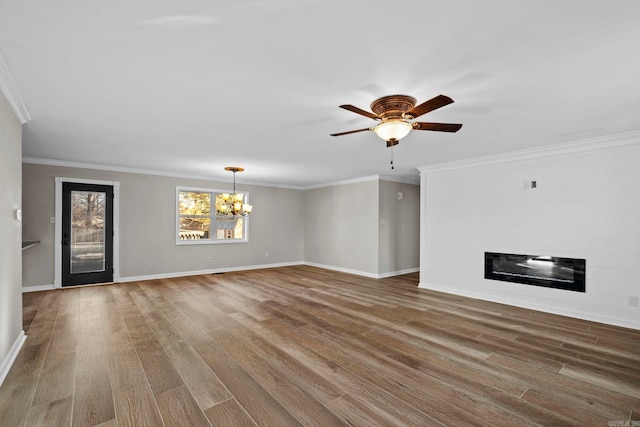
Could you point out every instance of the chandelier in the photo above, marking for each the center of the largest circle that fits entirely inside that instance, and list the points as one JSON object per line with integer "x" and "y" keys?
{"x": 232, "y": 204}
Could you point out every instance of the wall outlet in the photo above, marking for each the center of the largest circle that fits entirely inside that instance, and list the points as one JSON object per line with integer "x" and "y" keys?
{"x": 266, "y": 254}
{"x": 209, "y": 259}
{"x": 148, "y": 263}
{"x": 632, "y": 301}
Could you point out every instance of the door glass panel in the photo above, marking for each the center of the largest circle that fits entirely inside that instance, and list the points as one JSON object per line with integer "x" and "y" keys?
{"x": 87, "y": 231}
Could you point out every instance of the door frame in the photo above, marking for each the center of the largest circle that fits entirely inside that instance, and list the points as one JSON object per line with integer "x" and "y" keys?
{"x": 57, "y": 280}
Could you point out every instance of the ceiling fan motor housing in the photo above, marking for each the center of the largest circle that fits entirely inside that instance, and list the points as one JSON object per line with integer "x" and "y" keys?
{"x": 392, "y": 106}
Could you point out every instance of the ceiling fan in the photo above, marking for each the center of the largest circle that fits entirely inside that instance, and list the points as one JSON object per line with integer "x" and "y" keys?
{"x": 395, "y": 112}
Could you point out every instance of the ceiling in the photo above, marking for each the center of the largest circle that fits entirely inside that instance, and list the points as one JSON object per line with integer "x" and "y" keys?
{"x": 186, "y": 88}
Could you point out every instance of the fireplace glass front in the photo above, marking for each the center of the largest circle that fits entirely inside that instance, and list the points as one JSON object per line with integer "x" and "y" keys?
{"x": 536, "y": 270}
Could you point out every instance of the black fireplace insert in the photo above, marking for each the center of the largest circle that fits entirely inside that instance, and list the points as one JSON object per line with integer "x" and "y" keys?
{"x": 536, "y": 270}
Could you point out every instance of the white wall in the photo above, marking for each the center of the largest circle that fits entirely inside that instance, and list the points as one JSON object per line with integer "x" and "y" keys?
{"x": 147, "y": 226}
{"x": 586, "y": 205}
{"x": 11, "y": 334}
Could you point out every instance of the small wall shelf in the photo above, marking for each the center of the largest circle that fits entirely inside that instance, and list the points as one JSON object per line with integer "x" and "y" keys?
{"x": 29, "y": 243}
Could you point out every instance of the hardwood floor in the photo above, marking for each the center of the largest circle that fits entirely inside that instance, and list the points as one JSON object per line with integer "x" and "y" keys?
{"x": 305, "y": 346}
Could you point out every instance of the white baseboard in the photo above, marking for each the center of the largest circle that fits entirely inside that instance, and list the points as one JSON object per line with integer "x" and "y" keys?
{"x": 342, "y": 270}
{"x": 6, "y": 364}
{"x": 398, "y": 273}
{"x": 200, "y": 272}
{"x": 37, "y": 288}
{"x": 229, "y": 269}
{"x": 363, "y": 273}
{"x": 625, "y": 323}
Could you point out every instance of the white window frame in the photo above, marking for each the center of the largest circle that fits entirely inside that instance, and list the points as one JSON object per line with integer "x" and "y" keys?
{"x": 211, "y": 240}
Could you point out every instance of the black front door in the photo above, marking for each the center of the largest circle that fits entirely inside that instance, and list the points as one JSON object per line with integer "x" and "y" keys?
{"x": 87, "y": 233}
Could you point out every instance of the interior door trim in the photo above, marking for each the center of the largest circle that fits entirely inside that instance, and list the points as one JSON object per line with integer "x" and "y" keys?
{"x": 57, "y": 278}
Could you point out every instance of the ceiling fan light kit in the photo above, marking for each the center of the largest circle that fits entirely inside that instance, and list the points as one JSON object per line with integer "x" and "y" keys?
{"x": 395, "y": 113}
{"x": 393, "y": 129}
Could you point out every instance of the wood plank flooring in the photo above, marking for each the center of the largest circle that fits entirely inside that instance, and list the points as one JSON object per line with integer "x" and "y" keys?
{"x": 300, "y": 345}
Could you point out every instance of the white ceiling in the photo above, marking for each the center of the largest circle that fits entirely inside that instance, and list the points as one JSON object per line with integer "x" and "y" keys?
{"x": 189, "y": 87}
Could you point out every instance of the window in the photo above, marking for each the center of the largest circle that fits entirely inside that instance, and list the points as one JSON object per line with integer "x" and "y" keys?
{"x": 199, "y": 222}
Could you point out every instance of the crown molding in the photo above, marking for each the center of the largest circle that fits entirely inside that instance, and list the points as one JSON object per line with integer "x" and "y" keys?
{"x": 344, "y": 182}
{"x": 402, "y": 179}
{"x": 10, "y": 91}
{"x": 112, "y": 168}
{"x": 592, "y": 144}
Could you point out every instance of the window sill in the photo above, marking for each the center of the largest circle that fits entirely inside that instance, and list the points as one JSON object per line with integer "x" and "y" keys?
{"x": 188, "y": 242}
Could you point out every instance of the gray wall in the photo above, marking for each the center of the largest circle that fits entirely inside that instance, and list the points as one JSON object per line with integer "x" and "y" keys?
{"x": 399, "y": 227}
{"x": 341, "y": 226}
{"x": 363, "y": 228}
{"x": 586, "y": 205}
{"x": 10, "y": 231}
{"x": 147, "y": 225}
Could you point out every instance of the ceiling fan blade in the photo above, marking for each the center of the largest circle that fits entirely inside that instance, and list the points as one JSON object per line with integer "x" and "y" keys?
{"x": 440, "y": 127}
{"x": 430, "y": 105}
{"x": 348, "y": 132}
{"x": 360, "y": 111}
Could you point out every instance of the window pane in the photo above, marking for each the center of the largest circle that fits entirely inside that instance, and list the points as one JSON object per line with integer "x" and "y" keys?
{"x": 194, "y": 203}
{"x": 194, "y": 228}
{"x": 237, "y": 232}
{"x": 231, "y": 227}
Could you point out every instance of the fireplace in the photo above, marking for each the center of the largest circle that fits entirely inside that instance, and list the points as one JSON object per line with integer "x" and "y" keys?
{"x": 536, "y": 270}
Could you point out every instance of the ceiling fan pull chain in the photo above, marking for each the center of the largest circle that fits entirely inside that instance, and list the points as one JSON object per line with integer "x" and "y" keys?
{"x": 392, "y": 167}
